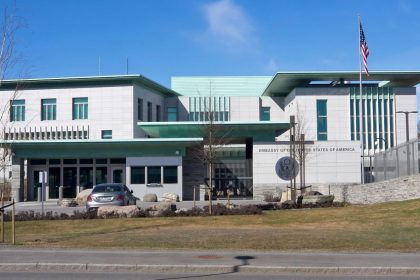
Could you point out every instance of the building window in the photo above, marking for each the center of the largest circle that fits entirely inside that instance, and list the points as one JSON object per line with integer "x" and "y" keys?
{"x": 157, "y": 113}
{"x": 80, "y": 108}
{"x": 321, "y": 115}
{"x": 172, "y": 114}
{"x": 170, "y": 174}
{"x": 265, "y": 114}
{"x": 137, "y": 174}
{"x": 48, "y": 109}
{"x": 17, "y": 110}
{"x": 154, "y": 175}
{"x": 149, "y": 111}
{"x": 140, "y": 109}
{"x": 106, "y": 134}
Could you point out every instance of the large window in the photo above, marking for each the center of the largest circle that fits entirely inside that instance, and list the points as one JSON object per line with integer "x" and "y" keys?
{"x": 48, "y": 109}
{"x": 321, "y": 115}
{"x": 80, "y": 108}
{"x": 157, "y": 113}
{"x": 265, "y": 114}
{"x": 170, "y": 174}
{"x": 172, "y": 114}
{"x": 154, "y": 175}
{"x": 149, "y": 111}
{"x": 140, "y": 109}
{"x": 137, "y": 175}
{"x": 17, "y": 110}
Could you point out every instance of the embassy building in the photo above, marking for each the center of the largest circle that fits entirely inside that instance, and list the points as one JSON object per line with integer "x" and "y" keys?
{"x": 129, "y": 129}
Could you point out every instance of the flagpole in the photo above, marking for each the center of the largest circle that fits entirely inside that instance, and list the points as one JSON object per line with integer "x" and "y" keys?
{"x": 361, "y": 126}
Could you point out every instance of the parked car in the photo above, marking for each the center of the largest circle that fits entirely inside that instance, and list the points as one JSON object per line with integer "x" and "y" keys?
{"x": 110, "y": 194}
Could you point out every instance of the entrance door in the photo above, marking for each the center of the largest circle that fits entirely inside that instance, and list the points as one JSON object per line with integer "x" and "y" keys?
{"x": 53, "y": 182}
{"x": 118, "y": 175}
{"x": 35, "y": 182}
{"x": 69, "y": 182}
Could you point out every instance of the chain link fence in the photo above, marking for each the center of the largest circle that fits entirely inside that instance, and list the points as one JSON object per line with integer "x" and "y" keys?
{"x": 399, "y": 161}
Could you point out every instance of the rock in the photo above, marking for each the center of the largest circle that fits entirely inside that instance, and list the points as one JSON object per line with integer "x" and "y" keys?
{"x": 118, "y": 211}
{"x": 313, "y": 193}
{"x": 82, "y": 196}
{"x": 317, "y": 199}
{"x": 161, "y": 208}
{"x": 150, "y": 197}
{"x": 182, "y": 210}
{"x": 170, "y": 197}
{"x": 68, "y": 203}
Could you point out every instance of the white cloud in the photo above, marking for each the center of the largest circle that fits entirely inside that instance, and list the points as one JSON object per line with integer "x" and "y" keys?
{"x": 228, "y": 23}
{"x": 272, "y": 66}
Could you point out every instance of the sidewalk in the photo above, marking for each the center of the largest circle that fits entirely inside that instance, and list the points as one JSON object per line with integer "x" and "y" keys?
{"x": 174, "y": 261}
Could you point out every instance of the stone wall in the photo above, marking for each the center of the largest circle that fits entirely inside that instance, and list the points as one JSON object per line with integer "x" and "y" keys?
{"x": 398, "y": 189}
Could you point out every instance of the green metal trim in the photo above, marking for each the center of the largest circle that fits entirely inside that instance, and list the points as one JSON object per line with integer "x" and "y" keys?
{"x": 284, "y": 82}
{"x": 101, "y": 148}
{"x": 88, "y": 81}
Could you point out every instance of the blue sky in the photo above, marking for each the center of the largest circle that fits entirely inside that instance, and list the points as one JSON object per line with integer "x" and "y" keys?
{"x": 164, "y": 38}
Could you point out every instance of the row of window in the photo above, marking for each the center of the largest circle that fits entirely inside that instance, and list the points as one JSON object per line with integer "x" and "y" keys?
{"x": 172, "y": 112}
{"x": 49, "y": 109}
{"x": 154, "y": 174}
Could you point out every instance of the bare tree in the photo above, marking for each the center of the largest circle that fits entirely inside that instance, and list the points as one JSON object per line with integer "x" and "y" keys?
{"x": 9, "y": 59}
{"x": 215, "y": 138}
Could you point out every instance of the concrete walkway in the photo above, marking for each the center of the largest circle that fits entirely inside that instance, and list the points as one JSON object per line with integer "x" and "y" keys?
{"x": 177, "y": 261}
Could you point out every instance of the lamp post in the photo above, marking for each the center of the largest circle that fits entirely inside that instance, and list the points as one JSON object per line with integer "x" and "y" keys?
{"x": 407, "y": 136}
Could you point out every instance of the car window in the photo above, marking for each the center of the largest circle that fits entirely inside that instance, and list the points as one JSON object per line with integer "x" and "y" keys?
{"x": 107, "y": 188}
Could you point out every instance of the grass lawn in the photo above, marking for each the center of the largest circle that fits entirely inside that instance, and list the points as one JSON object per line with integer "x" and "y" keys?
{"x": 393, "y": 226}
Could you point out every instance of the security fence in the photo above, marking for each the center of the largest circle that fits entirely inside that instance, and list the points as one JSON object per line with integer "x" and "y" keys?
{"x": 399, "y": 161}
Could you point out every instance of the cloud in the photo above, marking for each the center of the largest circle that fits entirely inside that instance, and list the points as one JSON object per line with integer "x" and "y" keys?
{"x": 228, "y": 23}
{"x": 272, "y": 66}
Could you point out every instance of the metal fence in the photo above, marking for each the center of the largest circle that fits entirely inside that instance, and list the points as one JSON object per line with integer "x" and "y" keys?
{"x": 399, "y": 161}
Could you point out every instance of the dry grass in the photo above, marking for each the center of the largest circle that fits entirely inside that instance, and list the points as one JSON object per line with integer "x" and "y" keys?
{"x": 391, "y": 226}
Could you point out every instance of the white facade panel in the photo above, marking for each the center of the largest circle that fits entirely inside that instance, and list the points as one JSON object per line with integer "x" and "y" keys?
{"x": 326, "y": 162}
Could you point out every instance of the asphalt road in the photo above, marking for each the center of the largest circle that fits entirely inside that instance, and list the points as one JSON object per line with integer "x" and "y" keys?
{"x": 165, "y": 276}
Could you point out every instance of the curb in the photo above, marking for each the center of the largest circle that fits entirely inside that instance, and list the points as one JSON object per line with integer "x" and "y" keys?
{"x": 80, "y": 267}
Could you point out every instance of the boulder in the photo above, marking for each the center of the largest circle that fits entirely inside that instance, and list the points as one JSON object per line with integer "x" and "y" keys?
{"x": 118, "y": 211}
{"x": 150, "y": 197}
{"x": 82, "y": 196}
{"x": 68, "y": 203}
{"x": 161, "y": 208}
{"x": 317, "y": 199}
{"x": 170, "y": 197}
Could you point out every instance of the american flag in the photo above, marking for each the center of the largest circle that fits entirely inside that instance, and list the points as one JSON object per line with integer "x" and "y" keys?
{"x": 364, "y": 48}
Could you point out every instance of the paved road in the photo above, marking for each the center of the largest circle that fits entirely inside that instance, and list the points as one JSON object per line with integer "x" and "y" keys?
{"x": 181, "y": 257}
{"x": 207, "y": 262}
{"x": 166, "y": 276}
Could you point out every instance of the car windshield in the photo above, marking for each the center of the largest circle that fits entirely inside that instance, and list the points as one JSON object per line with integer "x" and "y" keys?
{"x": 107, "y": 188}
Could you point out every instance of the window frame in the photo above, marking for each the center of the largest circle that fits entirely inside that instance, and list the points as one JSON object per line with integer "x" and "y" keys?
{"x": 165, "y": 179}
{"x": 139, "y": 109}
{"x": 17, "y": 110}
{"x": 322, "y": 132}
{"x": 49, "y": 109}
{"x": 103, "y": 134}
{"x": 173, "y": 114}
{"x": 80, "y": 106}
{"x": 135, "y": 182}
{"x": 265, "y": 113}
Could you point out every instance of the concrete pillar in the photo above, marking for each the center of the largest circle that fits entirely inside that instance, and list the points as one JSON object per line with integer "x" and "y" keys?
{"x": 17, "y": 180}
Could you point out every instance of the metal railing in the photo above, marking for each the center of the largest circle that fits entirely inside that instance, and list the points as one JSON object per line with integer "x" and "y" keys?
{"x": 399, "y": 161}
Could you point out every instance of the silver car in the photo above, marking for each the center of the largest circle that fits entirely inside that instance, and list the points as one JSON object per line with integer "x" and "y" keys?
{"x": 110, "y": 194}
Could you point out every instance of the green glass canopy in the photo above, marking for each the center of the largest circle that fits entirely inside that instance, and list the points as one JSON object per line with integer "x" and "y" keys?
{"x": 259, "y": 131}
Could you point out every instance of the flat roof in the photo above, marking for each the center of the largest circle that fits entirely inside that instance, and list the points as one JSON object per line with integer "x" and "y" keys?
{"x": 284, "y": 82}
{"x": 86, "y": 81}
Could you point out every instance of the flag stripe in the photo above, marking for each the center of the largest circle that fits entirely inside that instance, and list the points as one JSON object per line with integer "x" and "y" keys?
{"x": 364, "y": 49}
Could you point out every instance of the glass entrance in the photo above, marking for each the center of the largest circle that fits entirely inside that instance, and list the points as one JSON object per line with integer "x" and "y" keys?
{"x": 69, "y": 182}
{"x": 53, "y": 182}
{"x": 118, "y": 175}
